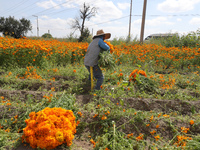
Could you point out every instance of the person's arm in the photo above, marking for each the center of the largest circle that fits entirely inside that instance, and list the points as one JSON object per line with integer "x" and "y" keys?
{"x": 103, "y": 45}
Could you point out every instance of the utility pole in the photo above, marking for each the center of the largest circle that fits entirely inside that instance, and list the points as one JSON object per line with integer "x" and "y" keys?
{"x": 143, "y": 21}
{"x": 129, "y": 32}
{"x": 37, "y": 25}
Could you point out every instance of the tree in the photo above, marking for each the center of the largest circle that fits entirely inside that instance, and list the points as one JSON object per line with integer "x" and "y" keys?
{"x": 79, "y": 22}
{"x": 85, "y": 35}
{"x": 14, "y": 28}
{"x": 47, "y": 35}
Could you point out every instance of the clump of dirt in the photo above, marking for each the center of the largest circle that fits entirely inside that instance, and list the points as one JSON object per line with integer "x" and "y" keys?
{"x": 67, "y": 78}
{"x": 77, "y": 145}
{"x": 21, "y": 94}
{"x": 166, "y": 106}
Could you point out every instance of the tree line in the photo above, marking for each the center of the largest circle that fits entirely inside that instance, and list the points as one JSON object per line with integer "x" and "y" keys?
{"x": 19, "y": 28}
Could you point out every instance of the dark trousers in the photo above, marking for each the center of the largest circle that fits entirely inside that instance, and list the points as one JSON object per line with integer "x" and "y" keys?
{"x": 97, "y": 73}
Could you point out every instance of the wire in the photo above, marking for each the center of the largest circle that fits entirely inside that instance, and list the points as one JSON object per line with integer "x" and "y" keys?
{"x": 16, "y": 6}
{"x": 16, "y": 13}
{"x": 109, "y": 21}
{"x": 54, "y": 13}
{"x": 52, "y": 7}
{"x": 175, "y": 15}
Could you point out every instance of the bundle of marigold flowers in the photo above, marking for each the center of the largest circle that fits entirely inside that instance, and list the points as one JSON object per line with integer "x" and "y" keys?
{"x": 50, "y": 128}
{"x": 133, "y": 74}
{"x": 106, "y": 59}
{"x": 111, "y": 46}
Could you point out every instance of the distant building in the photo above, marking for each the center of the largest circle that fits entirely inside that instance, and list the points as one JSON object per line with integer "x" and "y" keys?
{"x": 160, "y": 35}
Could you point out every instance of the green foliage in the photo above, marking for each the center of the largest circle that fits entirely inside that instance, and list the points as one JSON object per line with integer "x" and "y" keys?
{"x": 66, "y": 101}
{"x": 85, "y": 36}
{"x": 115, "y": 141}
{"x": 14, "y": 28}
{"x": 106, "y": 60}
{"x": 47, "y": 35}
{"x": 195, "y": 143}
{"x": 189, "y": 40}
{"x": 6, "y": 140}
{"x": 70, "y": 38}
{"x": 145, "y": 84}
{"x": 122, "y": 40}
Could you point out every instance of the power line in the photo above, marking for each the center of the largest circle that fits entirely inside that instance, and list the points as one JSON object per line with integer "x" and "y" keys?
{"x": 16, "y": 6}
{"x": 175, "y": 15}
{"x": 109, "y": 20}
{"x": 52, "y": 7}
{"x": 54, "y": 13}
{"x": 16, "y": 13}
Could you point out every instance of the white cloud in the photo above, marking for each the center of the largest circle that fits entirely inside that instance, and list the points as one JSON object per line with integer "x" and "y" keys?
{"x": 116, "y": 32}
{"x": 176, "y": 6}
{"x": 158, "y": 21}
{"x": 179, "y": 19}
{"x": 195, "y": 21}
{"x": 123, "y": 5}
{"x": 48, "y": 4}
{"x": 107, "y": 10}
{"x": 44, "y": 17}
{"x": 54, "y": 23}
{"x": 58, "y": 27}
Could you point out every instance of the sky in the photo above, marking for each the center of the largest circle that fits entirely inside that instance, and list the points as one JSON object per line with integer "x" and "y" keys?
{"x": 113, "y": 16}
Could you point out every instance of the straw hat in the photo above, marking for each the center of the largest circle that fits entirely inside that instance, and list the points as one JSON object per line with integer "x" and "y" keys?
{"x": 100, "y": 32}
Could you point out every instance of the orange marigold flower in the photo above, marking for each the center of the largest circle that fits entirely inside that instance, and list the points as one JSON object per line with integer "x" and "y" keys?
{"x": 130, "y": 135}
{"x": 59, "y": 136}
{"x": 8, "y": 104}
{"x": 166, "y": 116}
{"x": 1, "y": 126}
{"x": 147, "y": 125}
{"x": 121, "y": 74}
{"x": 191, "y": 122}
{"x": 93, "y": 142}
{"x": 16, "y": 116}
{"x": 53, "y": 89}
{"x": 107, "y": 113}
{"x": 95, "y": 115}
{"x": 140, "y": 137}
{"x": 77, "y": 123}
{"x": 132, "y": 76}
{"x": 79, "y": 113}
{"x": 157, "y": 137}
{"x": 159, "y": 115}
{"x": 153, "y": 132}
{"x": 74, "y": 71}
{"x": 103, "y": 117}
{"x": 151, "y": 118}
{"x": 157, "y": 126}
{"x": 185, "y": 130}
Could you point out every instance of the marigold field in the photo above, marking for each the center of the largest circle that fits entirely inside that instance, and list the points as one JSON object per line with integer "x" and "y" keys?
{"x": 150, "y": 98}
